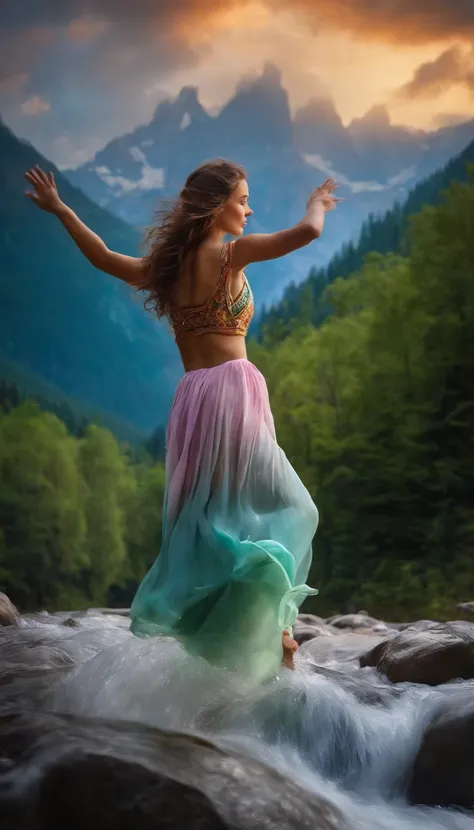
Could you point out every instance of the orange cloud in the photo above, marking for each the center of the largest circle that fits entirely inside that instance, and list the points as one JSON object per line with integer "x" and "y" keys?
{"x": 404, "y": 22}
{"x": 85, "y": 29}
{"x": 454, "y": 66}
{"x": 36, "y": 105}
{"x": 19, "y": 50}
{"x": 14, "y": 82}
{"x": 399, "y": 21}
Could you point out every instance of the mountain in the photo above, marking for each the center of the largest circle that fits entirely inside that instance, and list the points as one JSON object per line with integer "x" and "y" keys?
{"x": 385, "y": 234}
{"x": 319, "y": 131}
{"x": 386, "y": 150}
{"x": 17, "y": 384}
{"x": 375, "y": 161}
{"x": 127, "y": 174}
{"x": 65, "y": 322}
{"x": 254, "y": 128}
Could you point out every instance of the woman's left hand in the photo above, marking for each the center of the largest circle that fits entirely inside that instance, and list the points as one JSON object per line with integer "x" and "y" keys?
{"x": 44, "y": 193}
{"x": 325, "y": 195}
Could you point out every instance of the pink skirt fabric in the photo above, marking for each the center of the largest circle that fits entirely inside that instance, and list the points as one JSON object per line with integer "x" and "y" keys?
{"x": 237, "y": 527}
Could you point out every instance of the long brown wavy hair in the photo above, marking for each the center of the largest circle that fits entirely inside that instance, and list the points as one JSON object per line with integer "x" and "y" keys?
{"x": 181, "y": 227}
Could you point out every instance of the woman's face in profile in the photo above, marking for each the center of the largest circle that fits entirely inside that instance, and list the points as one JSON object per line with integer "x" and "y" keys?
{"x": 233, "y": 218}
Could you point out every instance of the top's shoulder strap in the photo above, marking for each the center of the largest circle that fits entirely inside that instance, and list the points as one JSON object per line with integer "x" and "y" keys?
{"x": 226, "y": 260}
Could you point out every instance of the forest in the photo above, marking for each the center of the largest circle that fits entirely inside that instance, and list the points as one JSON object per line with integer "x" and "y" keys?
{"x": 80, "y": 513}
{"x": 375, "y": 409}
{"x": 374, "y": 406}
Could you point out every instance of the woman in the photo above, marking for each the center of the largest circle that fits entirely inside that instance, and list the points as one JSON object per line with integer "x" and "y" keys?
{"x": 237, "y": 521}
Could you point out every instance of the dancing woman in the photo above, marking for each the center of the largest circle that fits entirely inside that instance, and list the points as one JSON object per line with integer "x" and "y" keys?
{"x": 238, "y": 523}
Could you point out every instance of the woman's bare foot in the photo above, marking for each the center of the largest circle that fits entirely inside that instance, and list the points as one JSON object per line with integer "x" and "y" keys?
{"x": 290, "y": 647}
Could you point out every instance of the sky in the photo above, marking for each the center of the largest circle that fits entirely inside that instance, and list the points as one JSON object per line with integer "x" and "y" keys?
{"x": 76, "y": 73}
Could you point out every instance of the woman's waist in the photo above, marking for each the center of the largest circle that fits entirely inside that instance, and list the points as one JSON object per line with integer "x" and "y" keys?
{"x": 210, "y": 350}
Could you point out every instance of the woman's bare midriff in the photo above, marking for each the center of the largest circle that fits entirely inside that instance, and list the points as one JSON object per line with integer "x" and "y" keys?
{"x": 203, "y": 351}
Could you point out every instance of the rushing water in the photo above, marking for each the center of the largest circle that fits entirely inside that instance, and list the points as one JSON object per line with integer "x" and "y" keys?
{"x": 352, "y": 743}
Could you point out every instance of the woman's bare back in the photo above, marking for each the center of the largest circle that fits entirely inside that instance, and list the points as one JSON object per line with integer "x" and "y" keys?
{"x": 198, "y": 280}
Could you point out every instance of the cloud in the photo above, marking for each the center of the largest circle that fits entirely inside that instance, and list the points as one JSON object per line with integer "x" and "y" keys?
{"x": 407, "y": 21}
{"x": 454, "y": 66}
{"x": 96, "y": 60}
{"x": 13, "y": 83}
{"x": 147, "y": 38}
{"x": 325, "y": 167}
{"x": 151, "y": 178}
{"x": 19, "y": 50}
{"x": 397, "y": 21}
{"x": 86, "y": 29}
{"x": 448, "y": 119}
{"x": 35, "y": 105}
{"x": 93, "y": 61}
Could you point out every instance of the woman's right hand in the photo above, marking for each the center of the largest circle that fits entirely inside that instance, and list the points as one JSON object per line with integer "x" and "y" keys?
{"x": 325, "y": 195}
{"x": 44, "y": 193}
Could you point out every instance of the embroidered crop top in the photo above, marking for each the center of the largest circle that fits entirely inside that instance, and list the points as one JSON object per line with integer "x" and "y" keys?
{"x": 220, "y": 314}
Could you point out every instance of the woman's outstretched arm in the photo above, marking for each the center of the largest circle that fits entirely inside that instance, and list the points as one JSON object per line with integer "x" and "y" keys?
{"x": 45, "y": 196}
{"x": 257, "y": 247}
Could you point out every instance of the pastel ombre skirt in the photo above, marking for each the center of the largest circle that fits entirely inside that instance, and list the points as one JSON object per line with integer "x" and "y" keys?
{"x": 237, "y": 527}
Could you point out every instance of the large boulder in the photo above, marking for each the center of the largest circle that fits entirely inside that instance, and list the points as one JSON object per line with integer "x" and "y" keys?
{"x": 444, "y": 768}
{"x": 362, "y": 687}
{"x": 9, "y": 615}
{"x": 467, "y": 607}
{"x": 436, "y": 655}
{"x": 358, "y": 622}
{"x": 419, "y": 625}
{"x": 83, "y": 774}
{"x": 308, "y": 626}
{"x": 343, "y": 647}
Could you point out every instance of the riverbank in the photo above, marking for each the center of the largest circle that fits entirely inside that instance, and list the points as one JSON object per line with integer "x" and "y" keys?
{"x": 100, "y": 729}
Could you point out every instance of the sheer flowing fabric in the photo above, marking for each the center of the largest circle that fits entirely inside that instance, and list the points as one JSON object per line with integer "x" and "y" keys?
{"x": 237, "y": 527}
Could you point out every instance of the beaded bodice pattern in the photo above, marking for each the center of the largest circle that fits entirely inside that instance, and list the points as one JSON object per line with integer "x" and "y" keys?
{"x": 220, "y": 313}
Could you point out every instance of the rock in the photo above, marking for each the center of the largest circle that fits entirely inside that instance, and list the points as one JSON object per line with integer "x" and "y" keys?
{"x": 419, "y": 625}
{"x": 361, "y": 687}
{"x": 102, "y": 775}
{"x": 444, "y": 768}
{"x": 356, "y": 622}
{"x": 467, "y": 607}
{"x": 115, "y": 616}
{"x": 434, "y": 656}
{"x": 309, "y": 619}
{"x": 308, "y": 626}
{"x": 342, "y": 647}
{"x": 9, "y": 615}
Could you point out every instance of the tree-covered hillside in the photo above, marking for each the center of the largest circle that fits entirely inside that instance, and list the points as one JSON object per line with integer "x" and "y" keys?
{"x": 304, "y": 303}
{"x": 375, "y": 408}
{"x": 67, "y": 323}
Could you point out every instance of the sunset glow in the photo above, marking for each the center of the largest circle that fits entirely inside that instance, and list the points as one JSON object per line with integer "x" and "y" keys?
{"x": 103, "y": 74}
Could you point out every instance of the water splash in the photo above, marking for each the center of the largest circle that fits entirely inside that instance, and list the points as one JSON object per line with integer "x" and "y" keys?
{"x": 342, "y": 734}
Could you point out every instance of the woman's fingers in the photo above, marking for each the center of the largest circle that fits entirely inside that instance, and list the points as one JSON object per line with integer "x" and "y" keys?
{"x": 39, "y": 179}
{"x": 51, "y": 179}
{"x": 31, "y": 178}
{"x": 41, "y": 174}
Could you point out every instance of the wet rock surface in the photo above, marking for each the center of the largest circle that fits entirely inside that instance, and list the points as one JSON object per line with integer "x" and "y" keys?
{"x": 340, "y": 647}
{"x": 9, "y": 615}
{"x": 438, "y": 654}
{"x": 363, "y": 688}
{"x": 97, "y": 775}
{"x": 443, "y": 774}
{"x": 358, "y": 622}
{"x": 308, "y": 626}
{"x": 360, "y": 694}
